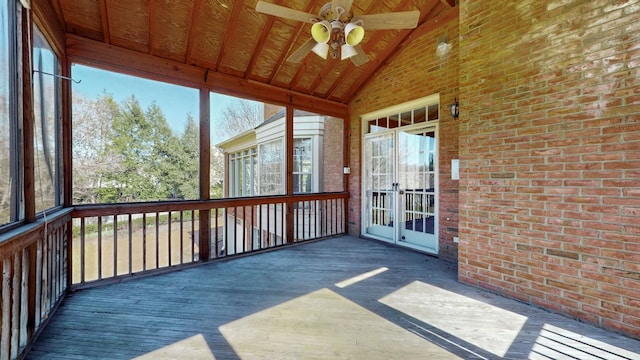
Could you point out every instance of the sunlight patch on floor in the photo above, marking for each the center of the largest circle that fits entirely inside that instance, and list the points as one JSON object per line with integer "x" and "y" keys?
{"x": 488, "y": 327}
{"x": 557, "y": 343}
{"x": 194, "y": 348}
{"x": 325, "y": 325}
{"x": 361, "y": 277}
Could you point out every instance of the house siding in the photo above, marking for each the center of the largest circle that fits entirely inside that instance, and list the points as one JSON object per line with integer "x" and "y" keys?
{"x": 550, "y": 155}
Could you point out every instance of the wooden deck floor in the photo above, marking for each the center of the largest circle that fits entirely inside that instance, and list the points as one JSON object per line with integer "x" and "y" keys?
{"x": 343, "y": 298}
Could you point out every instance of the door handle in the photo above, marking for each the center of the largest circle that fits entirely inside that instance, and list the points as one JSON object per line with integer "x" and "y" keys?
{"x": 401, "y": 192}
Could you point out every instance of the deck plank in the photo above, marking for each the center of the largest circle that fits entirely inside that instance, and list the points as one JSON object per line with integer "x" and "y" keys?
{"x": 332, "y": 299}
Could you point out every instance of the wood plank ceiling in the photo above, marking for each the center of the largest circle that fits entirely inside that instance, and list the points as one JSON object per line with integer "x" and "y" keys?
{"x": 230, "y": 38}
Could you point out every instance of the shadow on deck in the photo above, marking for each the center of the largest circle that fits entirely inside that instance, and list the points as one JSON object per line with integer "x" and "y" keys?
{"x": 338, "y": 298}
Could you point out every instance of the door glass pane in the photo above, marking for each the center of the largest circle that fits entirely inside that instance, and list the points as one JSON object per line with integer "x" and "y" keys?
{"x": 378, "y": 177}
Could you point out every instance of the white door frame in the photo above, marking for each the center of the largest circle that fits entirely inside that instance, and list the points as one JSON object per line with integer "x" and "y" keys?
{"x": 433, "y": 99}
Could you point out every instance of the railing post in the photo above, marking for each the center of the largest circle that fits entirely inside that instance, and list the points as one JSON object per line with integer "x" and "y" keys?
{"x": 205, "y": 235}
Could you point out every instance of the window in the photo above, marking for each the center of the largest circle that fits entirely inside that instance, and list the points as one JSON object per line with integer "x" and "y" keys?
{"x": 9, "y": 196}
{"x": 271, "y": 168}
{"x": 46, "y": 89}
{"x": 135, "y": 140}
{"x": 418, "y": 115}
{"x": 318, "y": 159}
{"x": 302, "y": 166}
{"x": 243, "y": 166}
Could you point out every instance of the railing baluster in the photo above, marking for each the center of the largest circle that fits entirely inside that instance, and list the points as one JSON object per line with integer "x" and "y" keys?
{"x": 24, "y": 297}
{"x": 193, "y": 235}
{"x": 5, "y": 314}
{"x": 157, "y": 265}
{"x": 170, "y": 262}
{"x": 144, "y": 241}
{"x": 181, "y": 253}
{"x": 99, "y": 247}
{"x": 115, "y": 245}
{"x": 251, "y": 227}
{"x": 15, "y": 304}
{"x": 82, "y": 250}
{"x": 130, "y": 243}
{"x": 244, "y": 229}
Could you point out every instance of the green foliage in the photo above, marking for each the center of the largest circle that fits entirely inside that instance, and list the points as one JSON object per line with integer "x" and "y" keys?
{"x": 141, "y": 158}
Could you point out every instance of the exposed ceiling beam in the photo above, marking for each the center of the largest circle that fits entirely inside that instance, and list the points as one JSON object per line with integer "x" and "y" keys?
{"x": 292, "y": 41}
{"x": 109, "y": 57}
{"x": 104, "y": 16}
{"x": 197, "y": 4}
{"x": 228, "y": 31}
{"x": 266, "y": 29}
{"x": 406, "y": 37}
{"x": 57, "y": 7}
{"x": 50, "y": 25}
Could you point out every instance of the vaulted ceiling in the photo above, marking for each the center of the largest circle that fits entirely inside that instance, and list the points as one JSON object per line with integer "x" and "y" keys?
{"x": 229, "y": 39}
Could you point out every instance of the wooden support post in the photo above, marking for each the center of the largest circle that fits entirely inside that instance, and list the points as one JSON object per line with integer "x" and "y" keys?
{"x": 27, "y": 119}
{"x": 67, "y": 190}
{"x": 289, "y": 174}
{"x": 205, "y": 171}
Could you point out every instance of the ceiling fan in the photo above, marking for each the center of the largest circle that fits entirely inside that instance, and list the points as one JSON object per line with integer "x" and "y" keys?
{"x": 336, "y": 31}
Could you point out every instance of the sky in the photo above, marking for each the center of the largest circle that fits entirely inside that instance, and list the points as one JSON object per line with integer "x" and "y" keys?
{"x": 175, "y": 101}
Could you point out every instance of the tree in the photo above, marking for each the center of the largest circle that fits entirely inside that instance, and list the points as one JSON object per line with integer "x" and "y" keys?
{"x": 239, "y": 116}
{"x": 92, "y": 119}
{"x": 181, "y": 164}
{"x": 138, "y": 139}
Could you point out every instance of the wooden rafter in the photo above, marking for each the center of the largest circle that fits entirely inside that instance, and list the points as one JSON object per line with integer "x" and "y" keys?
{"x": 197, "y": 5}
{"x": 292, "y": 40}
{"x": 57, "y": 7}
{"x": 259, "y": 44}
{"x": 104, "y": 15}
{"x": 232, "y": 22}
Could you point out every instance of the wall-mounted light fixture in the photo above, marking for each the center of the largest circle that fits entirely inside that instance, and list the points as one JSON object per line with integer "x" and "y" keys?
{"x": 455, "y": 108}
{"x": 443, "y": 47}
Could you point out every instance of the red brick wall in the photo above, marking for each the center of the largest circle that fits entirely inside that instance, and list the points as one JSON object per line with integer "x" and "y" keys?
{"x": 550, "y": 155}
{"x": 414, "y": 73}
{"x": 332, "y": 175}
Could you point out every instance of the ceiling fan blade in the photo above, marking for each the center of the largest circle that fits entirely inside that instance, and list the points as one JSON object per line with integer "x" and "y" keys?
{"x": 345, "y": 4}
{"x": 285, "y": 12}
{"x": 360, "y": 57}
{"x": 302, "y": 51}
{"x": 395, "y": 20}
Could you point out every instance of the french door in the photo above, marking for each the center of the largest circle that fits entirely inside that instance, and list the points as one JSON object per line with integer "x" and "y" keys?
{"x": 400, "y": 187}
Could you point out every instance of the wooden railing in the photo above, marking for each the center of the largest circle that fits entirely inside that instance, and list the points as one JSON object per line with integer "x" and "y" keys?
{"x": 33, "y": 262}
{"x": 111, "y": 242}
{"x": 92, "y": 244}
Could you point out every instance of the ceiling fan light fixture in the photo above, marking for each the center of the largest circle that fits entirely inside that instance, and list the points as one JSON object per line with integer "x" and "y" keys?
{"x": 321, "y": 49}
{"x": 347, "y": 51}
{"x": 353, "y": 34}
{"x": 321, "y": 32}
